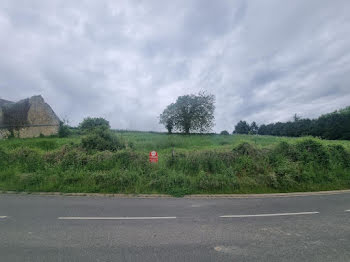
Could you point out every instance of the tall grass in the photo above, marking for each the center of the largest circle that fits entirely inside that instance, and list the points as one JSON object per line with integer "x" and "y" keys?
{"x": 201, "y": 164}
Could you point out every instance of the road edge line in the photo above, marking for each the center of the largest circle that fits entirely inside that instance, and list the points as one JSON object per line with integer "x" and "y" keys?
{"x": 194, "y": 196}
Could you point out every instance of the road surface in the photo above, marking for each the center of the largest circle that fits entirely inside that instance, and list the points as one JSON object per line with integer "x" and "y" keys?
{"x": 63, "y": 228}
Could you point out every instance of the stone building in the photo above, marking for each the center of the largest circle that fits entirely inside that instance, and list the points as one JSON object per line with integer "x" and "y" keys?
{"x": 30, "y": 117}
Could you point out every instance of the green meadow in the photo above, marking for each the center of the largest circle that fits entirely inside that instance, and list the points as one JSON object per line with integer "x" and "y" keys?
{"x": 188, "y": 164}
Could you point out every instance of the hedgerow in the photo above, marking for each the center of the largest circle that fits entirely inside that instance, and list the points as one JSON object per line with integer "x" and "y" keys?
{"x": 306, "y": 164}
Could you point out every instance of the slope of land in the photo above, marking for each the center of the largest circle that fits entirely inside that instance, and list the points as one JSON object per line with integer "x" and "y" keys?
{"x": 200, "y": 164}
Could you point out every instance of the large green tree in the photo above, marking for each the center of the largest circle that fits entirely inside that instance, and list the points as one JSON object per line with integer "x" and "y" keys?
{"x": 242, "y": 127}
{"x": 190, "y": 113}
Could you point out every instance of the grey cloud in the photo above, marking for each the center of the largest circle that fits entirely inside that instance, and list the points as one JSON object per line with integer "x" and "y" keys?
{"x": 126, "y": 60}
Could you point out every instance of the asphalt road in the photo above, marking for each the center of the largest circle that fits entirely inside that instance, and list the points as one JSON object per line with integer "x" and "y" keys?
{"x": 62, "y": 228}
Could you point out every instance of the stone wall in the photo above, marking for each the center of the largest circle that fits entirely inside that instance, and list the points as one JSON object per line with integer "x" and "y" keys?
{"x": 4, "y": 133}
{"x": 36, "y": 131}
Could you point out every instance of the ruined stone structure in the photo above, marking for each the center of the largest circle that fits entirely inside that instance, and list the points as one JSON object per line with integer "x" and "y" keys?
{"x": 30, "y": 117}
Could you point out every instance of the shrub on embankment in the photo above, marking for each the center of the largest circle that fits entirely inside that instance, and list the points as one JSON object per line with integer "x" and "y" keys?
{"x": 285, "y": 167}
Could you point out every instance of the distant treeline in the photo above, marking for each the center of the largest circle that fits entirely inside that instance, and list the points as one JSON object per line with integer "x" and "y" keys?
{"x": 334, "y": 126}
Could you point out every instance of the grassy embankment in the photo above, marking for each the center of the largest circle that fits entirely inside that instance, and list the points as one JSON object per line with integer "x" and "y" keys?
{"x": 202, "y": 164}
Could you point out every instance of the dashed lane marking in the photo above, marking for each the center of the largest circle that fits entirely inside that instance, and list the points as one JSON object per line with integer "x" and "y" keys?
{"x": 271, "y": 215}
{"x": 113, "y": 218}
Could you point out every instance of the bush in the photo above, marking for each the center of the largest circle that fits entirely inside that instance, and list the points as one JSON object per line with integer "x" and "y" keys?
{"x": 4, "y": 158}
{"x": 313, "y": 153}
{"x": 286, "y": 150}
{"x": 91, "y": 123}
{"x": 176, "y": 184}
{"x": 282, "y": 153}
{"x": 271, "y": 180}
{"x": 46, "y": 144}
{"x": 29, "y": 180}
{"x": 212, "y": 162}
{"x": 246, "y": 149}
{"x": 287, "y": 173}
{"x": 73, "y": 159}
{"x": 216, "y": 182}
{"x": 339, "y": 156}
{"x": 63, "y": 130}
{"x": 188, "y": 163}
{"x": 209, "y": 161}
{"x": 129, "y": 159}
{"x": 104, "y": 160}
{"x": 225, "y": 132}
{"x": 247, "y": 166}
{"x": 102, "y": 139}
{"x": 116, "y": 181}
{"x": 28, "y": 160}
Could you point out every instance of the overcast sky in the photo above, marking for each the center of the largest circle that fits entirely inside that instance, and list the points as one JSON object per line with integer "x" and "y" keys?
{"x": 264, "y": 60}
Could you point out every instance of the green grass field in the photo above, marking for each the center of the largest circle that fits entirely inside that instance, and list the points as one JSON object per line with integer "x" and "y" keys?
{"x": 202, "y": 164}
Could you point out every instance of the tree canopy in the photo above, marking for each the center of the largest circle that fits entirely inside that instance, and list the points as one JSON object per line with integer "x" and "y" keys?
{"x": 334, "y": 126}
{"x": 242, "y": 127}
{"x": 190, "y": 113}
{"x": 91, "y": 123}
{"x": 167, "y": 118}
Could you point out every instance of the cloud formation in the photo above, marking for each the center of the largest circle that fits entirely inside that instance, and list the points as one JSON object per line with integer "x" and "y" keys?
{"x": 127, "y": 60}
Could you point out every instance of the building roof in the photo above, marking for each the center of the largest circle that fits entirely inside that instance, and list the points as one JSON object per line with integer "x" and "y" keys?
{"x": 31, "y": 111}
{"x": 5, "y": 102}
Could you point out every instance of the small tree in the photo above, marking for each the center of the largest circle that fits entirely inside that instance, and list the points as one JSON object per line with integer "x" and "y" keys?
{"x": 91, "y": 123}
{"x": 225, "y": 133}
{"x": 63, "y": 130}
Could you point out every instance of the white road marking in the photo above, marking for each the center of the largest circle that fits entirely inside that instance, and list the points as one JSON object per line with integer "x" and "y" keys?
{"x": 113, "y": 218}
{"x": 271, "y": 215}
{"x": 347, "y": 210}
{"x": 3, "y": 216}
